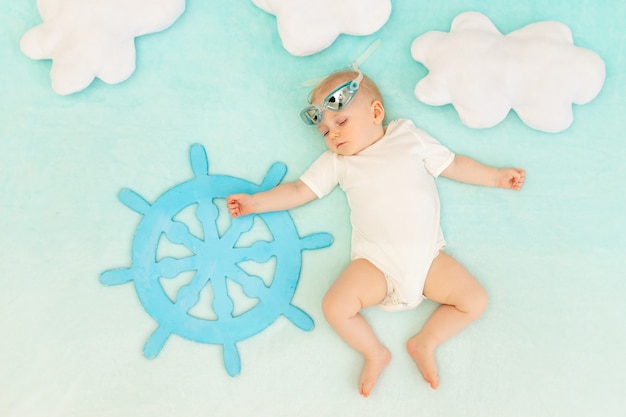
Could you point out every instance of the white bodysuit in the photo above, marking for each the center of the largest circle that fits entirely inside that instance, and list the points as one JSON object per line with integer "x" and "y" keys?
{"x": 394, "y": 205}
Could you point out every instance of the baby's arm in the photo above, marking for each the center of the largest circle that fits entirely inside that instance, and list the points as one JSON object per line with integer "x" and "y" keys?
{"x": 282, "y": 197}
{"x": 470, "y": 171}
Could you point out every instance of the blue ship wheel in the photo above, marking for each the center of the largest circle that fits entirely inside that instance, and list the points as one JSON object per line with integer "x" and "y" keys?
{"x": 215, "y": 259}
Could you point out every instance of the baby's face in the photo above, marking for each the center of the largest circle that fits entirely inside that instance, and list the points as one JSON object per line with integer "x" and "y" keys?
{"x": 357, "y": 126}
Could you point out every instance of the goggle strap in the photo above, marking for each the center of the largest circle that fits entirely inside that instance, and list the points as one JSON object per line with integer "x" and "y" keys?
{"x": 354, "y": 65}
{"x": 313, "y": 82}
{"x": 366, "y": 54}
{"x": 354, "y": 85}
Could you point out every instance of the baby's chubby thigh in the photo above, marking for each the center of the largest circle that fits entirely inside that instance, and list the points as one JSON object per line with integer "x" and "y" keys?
{"x": 359, "y": 286}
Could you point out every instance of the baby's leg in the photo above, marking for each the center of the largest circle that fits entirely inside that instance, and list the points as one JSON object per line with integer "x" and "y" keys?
{"x": 462, "y": 300}
{"x": 360, "y": 285}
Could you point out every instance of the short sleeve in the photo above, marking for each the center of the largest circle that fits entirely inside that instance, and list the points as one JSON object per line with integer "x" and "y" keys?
{"x": 321, "y": 177}
{"x": 435, "y": 155}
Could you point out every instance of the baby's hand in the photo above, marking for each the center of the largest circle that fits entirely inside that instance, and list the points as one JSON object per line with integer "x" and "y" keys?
{"x": 239, "y": 204}
{"x": 511, "y": 178}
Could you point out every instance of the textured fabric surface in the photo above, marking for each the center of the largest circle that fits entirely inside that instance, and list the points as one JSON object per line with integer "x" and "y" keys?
{"x": 551, "y": 257}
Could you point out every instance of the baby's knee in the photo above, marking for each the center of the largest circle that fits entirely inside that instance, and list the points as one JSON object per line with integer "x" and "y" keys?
{"x": 336, "y": 307}
{"x": 330, "y": 306}
{"x": 479, "y": 301}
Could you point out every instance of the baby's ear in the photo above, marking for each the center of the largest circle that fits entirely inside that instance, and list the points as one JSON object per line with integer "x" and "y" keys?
{"x": 378, "y": 111}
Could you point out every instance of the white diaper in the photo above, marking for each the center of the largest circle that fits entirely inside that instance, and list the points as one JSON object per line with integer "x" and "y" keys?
{"x": 394, "y": 302}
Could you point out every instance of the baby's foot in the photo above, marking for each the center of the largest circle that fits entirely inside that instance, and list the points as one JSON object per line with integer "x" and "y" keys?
{"x": 372, "y": 368}
{"x": 424, "y": 357}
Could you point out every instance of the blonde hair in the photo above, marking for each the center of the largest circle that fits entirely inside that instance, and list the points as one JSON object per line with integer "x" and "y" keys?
{"x": 342, "y": 76}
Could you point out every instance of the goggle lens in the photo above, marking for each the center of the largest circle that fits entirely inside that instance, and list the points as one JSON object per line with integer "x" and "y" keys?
{"x": 340, "y": 97}
{"x": 311, "y": 115}
{"x": 337, "y": 100}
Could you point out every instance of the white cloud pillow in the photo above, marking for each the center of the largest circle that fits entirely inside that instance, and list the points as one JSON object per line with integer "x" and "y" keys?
{"x": 536, "y": 71}
{"x": 307, "y": 27}
{"x": 94, "y": 38}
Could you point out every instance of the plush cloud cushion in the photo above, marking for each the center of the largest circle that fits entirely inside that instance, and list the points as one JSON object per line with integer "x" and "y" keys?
{"x": 307, "y": 27}
{"x": 94, "y": 38}
{"x": 537, "y": 71}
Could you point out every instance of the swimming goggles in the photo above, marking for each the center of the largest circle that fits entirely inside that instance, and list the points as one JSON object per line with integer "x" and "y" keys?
{"x": 337, "y": 100}
{"x": 341, "y": 96}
